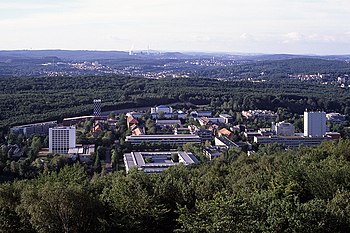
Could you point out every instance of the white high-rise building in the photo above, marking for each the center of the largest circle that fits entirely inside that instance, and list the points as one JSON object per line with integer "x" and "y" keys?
{"x": 314, "y": 124}
{"x": 61, "y": 139}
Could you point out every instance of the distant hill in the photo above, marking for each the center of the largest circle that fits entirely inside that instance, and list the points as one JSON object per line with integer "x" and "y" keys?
{"x": 17, "y": 63}
{"x": 70, "y": 55}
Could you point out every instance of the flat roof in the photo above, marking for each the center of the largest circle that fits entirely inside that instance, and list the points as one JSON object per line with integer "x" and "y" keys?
{"x": 34, "y": 124}
{"x": 136, "y": 160}
{"x": 225, "y": 115}
{"x": 164, "y": 136}
{"x": 77, "y": 118}
{"x": 227, "y": 141}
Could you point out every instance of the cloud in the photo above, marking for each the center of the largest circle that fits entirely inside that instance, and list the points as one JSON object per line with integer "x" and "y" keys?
{"x": 296, "y": 37}
{"x": 247, "y": 37}
{"x": 25, "y": 6}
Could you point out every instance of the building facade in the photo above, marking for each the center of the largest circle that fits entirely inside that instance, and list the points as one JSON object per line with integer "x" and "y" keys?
{"x": 162, "y": 108}
{"x": 34, "y": 129}
{"x": 291, "y": 141}
{"x": 180, "y": 139}
{"x": 283, "y": 129}
{"x": 61, "y": 139}
{"x": 97, "y": 107}
{"x": 314, "y": 124}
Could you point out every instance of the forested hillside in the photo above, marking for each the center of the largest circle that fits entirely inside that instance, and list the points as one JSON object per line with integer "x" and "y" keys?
{"x": 26, "y": 100}
{"x": 307, "y": 190}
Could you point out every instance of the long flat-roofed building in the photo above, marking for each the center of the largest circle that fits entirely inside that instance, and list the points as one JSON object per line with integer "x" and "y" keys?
{"x": 34, "y": 129}
{"x": 179, "y": 139}
{"x": 156, "y": 162}
{"x": 291, "y": 141}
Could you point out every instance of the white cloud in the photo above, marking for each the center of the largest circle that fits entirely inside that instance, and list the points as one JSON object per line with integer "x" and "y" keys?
{"x": 174, "y": 24}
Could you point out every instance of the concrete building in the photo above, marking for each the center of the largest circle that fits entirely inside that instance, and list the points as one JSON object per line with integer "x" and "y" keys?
{"x": 283, "y": 129}
{"x": 76, "y": 120}
{"x": 314, "y": 124}
{"x": 156, "y": 162}
{"x": 212, "y": 152}
{"x": 196, "y": 114}
{"x": 335, "y": 117}
{"x": 204, "y": 134}
{"x": 227, "y": 118}
{"x": 225, "y": 142}
{"x": 260, "y": 114}
{"x": 83, "y": 152}
{"x": 291, "y": 141}
{"x": 34, "y": 129}
{"x": 61, "y": 139}
{"x": 162, "y": 108}
{"x": 167, "y": 123}
{"x": 171, "y": 139}
{"x": 97, "y": 107}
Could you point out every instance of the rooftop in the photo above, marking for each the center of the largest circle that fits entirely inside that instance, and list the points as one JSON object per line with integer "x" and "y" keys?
{"x": 155, "y": 162}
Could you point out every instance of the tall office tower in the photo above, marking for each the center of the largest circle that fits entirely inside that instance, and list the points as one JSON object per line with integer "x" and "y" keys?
{"x": 97, "y": 107}
{"x": 314, "y": 124}
{"x": 61, "y": 139}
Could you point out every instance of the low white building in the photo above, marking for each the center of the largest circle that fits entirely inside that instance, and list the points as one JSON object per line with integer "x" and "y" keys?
{"x": 168, "y": 123}
{"x": 180, "y": 139}
{"x": 162, "y": 108}
{"x": 156, "y": 162}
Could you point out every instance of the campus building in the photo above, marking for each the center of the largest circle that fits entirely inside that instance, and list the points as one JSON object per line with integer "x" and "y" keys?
{"x": 283, "y": 129}
{"x": 156, "y": 162}
{"x": 34, "y": 129}
{"x": 314, "y": 124}
{"x": 61, "y": 139}
{"x": 291, "y": 141}
{"x": 97, "y": 107}
{"x": 162, "y": 108}
{"x": 180, "y": 139}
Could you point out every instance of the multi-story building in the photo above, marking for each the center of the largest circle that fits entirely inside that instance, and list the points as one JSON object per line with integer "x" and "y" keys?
{"x": 97, "y": 107}
{"x": 283, "y": 129}
{"x": 61, "y": 139}
{"x": 171, "y": 139}
{"x": 34, "y": 129}
{"x": 314, "y": 124}
{"x": 260, "y": 114}
{"x": 162, "y": 108}
{"x": 204, "y": 134}
{"x": 212, "y": 152}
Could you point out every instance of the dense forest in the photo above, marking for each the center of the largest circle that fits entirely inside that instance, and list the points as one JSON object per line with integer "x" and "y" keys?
{"x": 27, "y": 100}
{"x": 307, "y": 190}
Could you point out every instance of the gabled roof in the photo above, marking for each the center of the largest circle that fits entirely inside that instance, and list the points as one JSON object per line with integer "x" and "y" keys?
{"x": 131, "y": 120}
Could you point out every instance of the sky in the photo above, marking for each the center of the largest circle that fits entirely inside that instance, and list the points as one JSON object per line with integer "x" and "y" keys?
{"x": 244, "y": 26}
